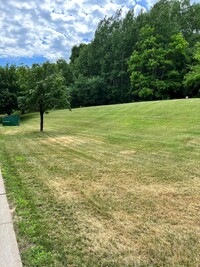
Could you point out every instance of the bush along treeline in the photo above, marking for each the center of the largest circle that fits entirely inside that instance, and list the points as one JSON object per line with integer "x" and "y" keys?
{"x": 155, "y": 55}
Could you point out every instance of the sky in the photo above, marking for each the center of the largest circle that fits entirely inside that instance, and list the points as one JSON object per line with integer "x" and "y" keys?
{"x": 33, "y": 31}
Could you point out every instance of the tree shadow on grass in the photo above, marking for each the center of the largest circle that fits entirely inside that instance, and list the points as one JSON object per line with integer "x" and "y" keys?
{"x": 28, "y": 116}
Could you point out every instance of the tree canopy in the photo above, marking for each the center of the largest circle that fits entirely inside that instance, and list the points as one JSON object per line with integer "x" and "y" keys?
{"x": 137, "y": 58}
{"x": 157, "y": 69}
{"x": 192, "y": 79}
{"x": 43, "y": 87}
{"x": 8, "y": 89}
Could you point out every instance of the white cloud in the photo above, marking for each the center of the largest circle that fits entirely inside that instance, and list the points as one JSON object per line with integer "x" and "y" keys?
{"x": 49, "y": 28}
{"x": 138, "y": 9}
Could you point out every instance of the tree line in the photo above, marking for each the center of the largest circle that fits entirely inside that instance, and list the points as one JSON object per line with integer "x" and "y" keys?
{"x": 155, "y": 55}
{"x": 148, "y": 57}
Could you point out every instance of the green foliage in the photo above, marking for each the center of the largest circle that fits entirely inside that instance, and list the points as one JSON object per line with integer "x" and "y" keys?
{"x": 64, "y": 68}
{"x": 146, "y": 93}
{"x": 106, "y": 57}
{"x": 88, "y": 91}
{"x": 192, "y": 79}
{"x": 157, "y": 68}
{"x": 157, "y": 44}
{"x": 43, "y": 87}
{"x": 8, "y": 89}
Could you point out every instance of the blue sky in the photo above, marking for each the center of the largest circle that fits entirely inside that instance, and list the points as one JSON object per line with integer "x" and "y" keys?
{"x": 39, "y": 30}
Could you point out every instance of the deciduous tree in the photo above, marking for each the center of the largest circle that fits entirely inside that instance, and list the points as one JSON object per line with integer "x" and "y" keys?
{"x": 192, "y": 79}
{"x": 44, "y": 88}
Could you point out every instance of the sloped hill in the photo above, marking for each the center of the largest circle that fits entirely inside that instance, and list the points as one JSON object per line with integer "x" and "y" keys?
{"x": 107, "y": 186}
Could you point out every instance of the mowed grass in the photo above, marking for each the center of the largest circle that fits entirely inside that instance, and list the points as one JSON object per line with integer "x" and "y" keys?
{"x": 107, "y": 186}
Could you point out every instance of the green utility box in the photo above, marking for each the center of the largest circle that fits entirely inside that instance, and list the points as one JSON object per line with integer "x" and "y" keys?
{"x": 12, "y": 120}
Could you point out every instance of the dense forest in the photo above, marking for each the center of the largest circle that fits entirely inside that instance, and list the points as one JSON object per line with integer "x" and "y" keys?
{"x": 155, "y": 55}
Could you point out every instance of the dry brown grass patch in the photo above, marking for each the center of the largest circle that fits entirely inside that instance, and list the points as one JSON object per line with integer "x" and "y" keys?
{"x": 64, "y": 140}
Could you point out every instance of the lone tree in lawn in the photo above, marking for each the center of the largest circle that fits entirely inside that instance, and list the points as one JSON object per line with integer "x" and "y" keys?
{"x": 43, "y": 87}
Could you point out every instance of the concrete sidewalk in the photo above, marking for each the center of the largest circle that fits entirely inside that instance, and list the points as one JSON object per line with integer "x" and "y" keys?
{"x": 9, "y": 252}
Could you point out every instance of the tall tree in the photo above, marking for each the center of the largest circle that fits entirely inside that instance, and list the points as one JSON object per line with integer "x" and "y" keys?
{"x": 64, "y": 67}
{"x": 44, "y": 88}
{"x": 157, "y": 68}
{"x": 192, "y": 79}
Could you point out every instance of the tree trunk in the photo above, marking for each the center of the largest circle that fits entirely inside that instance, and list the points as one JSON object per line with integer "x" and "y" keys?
{"x": 41, "y": 121}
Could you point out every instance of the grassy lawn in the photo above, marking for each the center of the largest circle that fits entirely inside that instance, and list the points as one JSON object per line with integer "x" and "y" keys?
{"x": 107, "y": 186}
